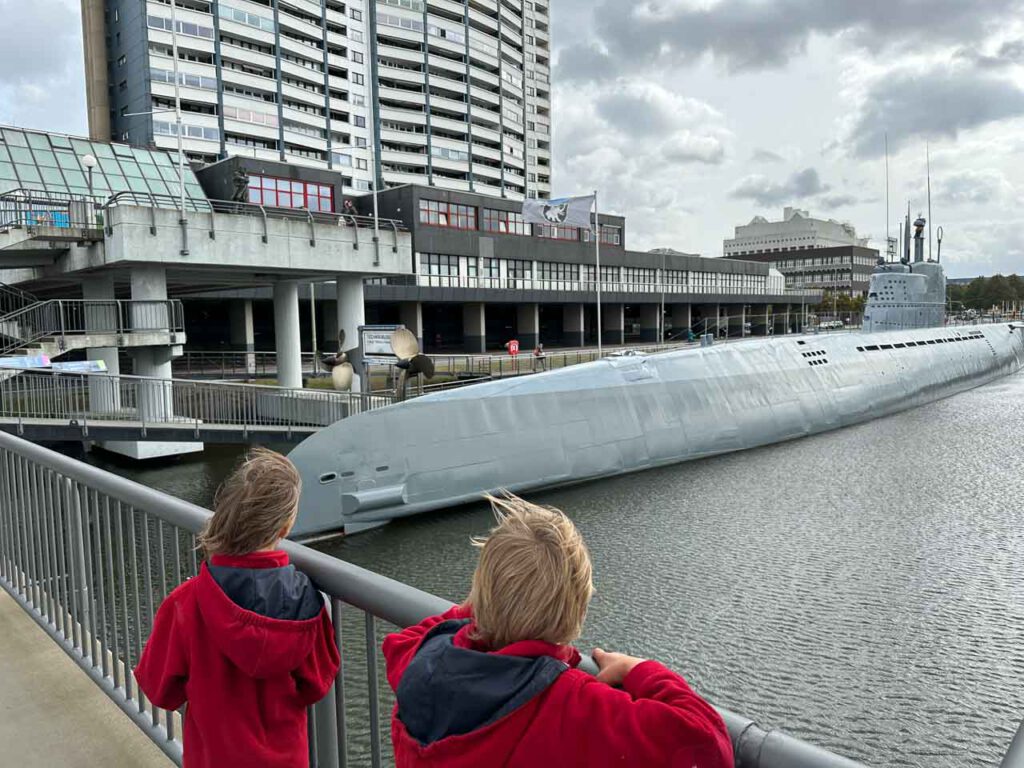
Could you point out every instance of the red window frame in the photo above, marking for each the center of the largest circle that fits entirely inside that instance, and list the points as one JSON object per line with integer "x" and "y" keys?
{"x": 440, "y": 214}
{"x": 276, "y": 192}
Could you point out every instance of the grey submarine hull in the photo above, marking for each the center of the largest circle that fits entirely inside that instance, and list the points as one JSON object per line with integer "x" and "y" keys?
{"x": 629, "y": 413}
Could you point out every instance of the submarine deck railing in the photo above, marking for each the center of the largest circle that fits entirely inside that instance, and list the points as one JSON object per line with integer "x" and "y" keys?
{"x": 90, "y": 556}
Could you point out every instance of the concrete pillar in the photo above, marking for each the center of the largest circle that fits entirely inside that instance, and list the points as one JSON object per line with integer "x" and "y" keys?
{"x": 286, "y": 334}
{"x": 411, "y": 316}
{"x": 351, "y": 312}
{"x": 572, "y": 325}
{"x": 681, "y": 321}
{"x": 242, "y": 334}
{"x": 528, "y": 326}
{"x": 650, "y": 322}
{"x": 613, "y": 323}
{"x": 149, "y": 288}
{"x": 104, "y": 391}
{"x": 474, "y": 327}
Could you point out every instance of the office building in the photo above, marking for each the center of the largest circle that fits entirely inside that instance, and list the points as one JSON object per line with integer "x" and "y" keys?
{"x": 797, "y": 231}
{"x": 435, "y": 92}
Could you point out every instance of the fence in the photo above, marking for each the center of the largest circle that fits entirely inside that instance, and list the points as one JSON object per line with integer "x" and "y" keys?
{"x": 102, "y": 397}
{"x": 90, "y": 556}
{"x": 59, "y": 318}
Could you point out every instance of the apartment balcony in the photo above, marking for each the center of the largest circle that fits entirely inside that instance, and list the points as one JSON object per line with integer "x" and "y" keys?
{"x": 166, "y": 91}
{"x": 404, "y": 177}
{"x": 482, "y": 20}
{"x": 486, "y": 189}
{"x": 337, "y": 17}
{"x": 235, "y": 53}
{"x": 487, "y": 134}
{"x": 397, "y": 33}
{"x": 450, "y": 105}
{"x": 401, "y": 54}
{"x": 245, "y": 32}
{"x": 254, "y": 152}
{"x": 302, "y": 140}
{"x": 455, "y": 184}
{"x": 454, "y": 166}
{"x": 301, "y": 95}
{"x": 457, "y": 9}
{"x": 404, "y": 137}
{"x": 446, "y": 123}
{"x": 483, "y": 59}
{"x": 308, "y": 162}
{"x": 337, "y": 60}
{"x": 483, "y": 95}
{"x": 490, "y": 6}
{"x": 300, "y": 49}
{"x": 486, "y": 152}
{"x": 196, "y": 43}
{"x": 410, "y": 76}
{"x": 449, "y": 84}
{"x": 305, "y": 118}
{"x": 266, "y": 132}
{"x": 404, "y": 158}
{"x": 287, "y": 21}
{"x": 402, "y": 96}
{"x": 412, "y": 116}
{"x": 489, "y": 172}
{"x": 299, "y": 72}
{"x": 442, "y": 44}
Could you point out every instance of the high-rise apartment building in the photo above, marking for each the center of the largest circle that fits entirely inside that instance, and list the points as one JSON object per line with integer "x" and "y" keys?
{"x": 439, "y": 92}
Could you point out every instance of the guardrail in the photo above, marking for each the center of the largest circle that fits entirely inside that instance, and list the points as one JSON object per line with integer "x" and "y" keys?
{"x": 85, "y": 397}
{"x": 60, "y": 318}
{"x": 12, "y": 299}
{"x": 90, "y": 556}
{"x": 60, "y": 210}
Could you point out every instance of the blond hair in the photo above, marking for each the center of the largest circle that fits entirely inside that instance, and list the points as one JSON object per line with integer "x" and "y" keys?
{"x": 533, "y": 580}
{"x": 253, "y": 506}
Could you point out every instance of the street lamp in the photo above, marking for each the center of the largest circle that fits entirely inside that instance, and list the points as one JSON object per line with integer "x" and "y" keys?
{"x": 90, "y": 162}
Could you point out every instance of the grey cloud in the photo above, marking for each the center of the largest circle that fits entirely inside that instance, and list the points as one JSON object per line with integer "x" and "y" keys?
{"x": 750, "y": 35}
{"x": 842, "y": 200}
{"x": 940, "y": 103}
{"x": 1010, "y": 53}
{"x": 38, "y": 40}
{"x": 973, "y": 187}
{"x": 765, "y": 156}
{"x": 802, "y": 184}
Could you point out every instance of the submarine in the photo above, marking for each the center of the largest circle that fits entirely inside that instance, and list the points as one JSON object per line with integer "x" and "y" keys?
{"x": 635, "y": 412}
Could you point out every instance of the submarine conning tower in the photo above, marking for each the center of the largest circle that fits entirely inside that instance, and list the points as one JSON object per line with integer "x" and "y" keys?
{"x": 903, "y": 294}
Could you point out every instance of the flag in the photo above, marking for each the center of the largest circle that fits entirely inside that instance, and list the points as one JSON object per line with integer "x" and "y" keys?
{"x": 569, "y": 211}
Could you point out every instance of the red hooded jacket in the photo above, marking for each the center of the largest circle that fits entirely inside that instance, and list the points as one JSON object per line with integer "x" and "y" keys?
{"x": 527, "y": 706}
{"x": 249, "y": 645}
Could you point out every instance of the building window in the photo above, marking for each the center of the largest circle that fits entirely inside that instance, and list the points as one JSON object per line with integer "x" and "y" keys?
{"x": 484, "y": 267}
{"x": 122, "y": 60}
{"x": 639, "y": 276}
{"x": 358, "y": 79}
{"x": 357, "y": 57}
{"x": 611, "y": 235}
{"x": 554, "y": 271}
{"x": 359, "y": 121}
{"x": 451, "y": 215}
{"x": 438, "y": 265}
{"x": 506, "y": 222}
{"x": 519, "y": 269}
{"x": 356, "y": 14}
{"x": 285, "y": 193}
{"x": 557, "y": 232}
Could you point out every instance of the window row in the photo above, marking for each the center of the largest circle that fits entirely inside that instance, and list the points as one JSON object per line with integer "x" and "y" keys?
{"x": 447, "y": 214}
{"x": 184, "y": 27}
{"x": 286, "y": 193}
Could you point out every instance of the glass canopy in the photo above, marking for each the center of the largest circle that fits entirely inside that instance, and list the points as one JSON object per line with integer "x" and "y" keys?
{"x": 50, "y": 162}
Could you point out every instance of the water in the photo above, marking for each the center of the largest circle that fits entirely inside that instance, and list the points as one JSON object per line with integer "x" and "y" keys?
{"x": 860, "y": 589}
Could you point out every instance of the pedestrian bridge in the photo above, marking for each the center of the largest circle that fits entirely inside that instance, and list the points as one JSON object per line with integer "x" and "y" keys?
{"x": 46, "y": 406}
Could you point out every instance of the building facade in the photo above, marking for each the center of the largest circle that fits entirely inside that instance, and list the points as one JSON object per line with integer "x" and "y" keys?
{"x": 435, "y": 92}
{"x": 797, "y": 231}
{"x": 842, "y": 269}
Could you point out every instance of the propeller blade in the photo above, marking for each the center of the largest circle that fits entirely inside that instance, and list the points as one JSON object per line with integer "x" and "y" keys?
{"x": 403, "y": 380}
{"x": 404, "y": 344}
{"x": 421, "y": 364}
{"x": 341, "y": 375}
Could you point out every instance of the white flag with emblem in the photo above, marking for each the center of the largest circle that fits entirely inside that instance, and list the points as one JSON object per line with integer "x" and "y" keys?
{"x": 570, "y": 211}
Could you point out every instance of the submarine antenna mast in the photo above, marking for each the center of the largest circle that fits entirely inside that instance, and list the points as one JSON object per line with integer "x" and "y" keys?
{"x": 887, "y": 192}
{"x": 928, "y": 163}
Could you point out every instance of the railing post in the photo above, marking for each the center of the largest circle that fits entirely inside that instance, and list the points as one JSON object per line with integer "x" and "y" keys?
{"x": 76, "y": 538}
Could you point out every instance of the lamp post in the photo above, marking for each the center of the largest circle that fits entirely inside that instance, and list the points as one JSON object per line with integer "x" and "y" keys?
{"x": 89, "y": 162}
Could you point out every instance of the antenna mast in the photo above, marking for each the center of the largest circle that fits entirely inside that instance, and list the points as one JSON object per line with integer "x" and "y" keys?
{"x": 928, "y": 161}
{"x": 887, "y": 194}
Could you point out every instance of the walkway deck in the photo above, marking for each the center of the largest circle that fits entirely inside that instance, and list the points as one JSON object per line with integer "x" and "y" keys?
{"x": 52, "y": 714}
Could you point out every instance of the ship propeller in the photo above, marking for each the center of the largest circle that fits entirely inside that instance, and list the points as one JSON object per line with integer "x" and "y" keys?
{"x": 410, "y": 361}
{"x": 341, "y": 369}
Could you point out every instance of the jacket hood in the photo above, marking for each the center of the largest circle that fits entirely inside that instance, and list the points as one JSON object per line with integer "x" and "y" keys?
{"x": 450, "y": 690}
{"x": 264, "y": 614}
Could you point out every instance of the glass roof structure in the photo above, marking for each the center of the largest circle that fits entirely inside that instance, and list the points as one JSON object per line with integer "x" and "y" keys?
{"x": 51, "y": 162}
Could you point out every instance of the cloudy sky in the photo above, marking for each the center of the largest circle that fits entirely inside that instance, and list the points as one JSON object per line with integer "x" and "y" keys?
{"x": 692, "y": 116}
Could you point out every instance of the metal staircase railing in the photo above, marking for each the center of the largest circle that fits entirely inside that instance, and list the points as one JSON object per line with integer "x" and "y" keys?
{"x": 60, "y": 318}
{"x": 12, "y": 299}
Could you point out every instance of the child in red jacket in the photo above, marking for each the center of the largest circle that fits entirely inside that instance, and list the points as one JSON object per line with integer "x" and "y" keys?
{"x": 248, "y": 643}
{"x": 494, "y": 682}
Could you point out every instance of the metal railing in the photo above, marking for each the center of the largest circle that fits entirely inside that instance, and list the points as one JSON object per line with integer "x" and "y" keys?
{"x": 98, "y": 397}
{"x": 235, "y": 364}
{"x": 60, "y": 210}
{"x": 304, "y": 214}
{"x": 90, "y": 556}
{"x": 60, "y": 318}
{"x": 12, "y": 299}
{"x": 509, "y": 283}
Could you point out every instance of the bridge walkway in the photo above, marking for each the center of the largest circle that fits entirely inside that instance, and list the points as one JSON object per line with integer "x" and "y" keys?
{"x": 51, "y": 714}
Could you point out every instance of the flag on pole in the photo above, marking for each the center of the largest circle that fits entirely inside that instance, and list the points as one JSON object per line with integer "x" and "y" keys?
{"x": 569, "y": 211}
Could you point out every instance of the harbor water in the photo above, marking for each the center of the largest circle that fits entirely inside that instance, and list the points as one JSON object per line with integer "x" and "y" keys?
{"x": 861, "y": 589}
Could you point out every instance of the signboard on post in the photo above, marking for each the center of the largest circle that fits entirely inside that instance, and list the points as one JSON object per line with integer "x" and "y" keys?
{"x": 513, "y": 347}
{"x": 375, "y": 343}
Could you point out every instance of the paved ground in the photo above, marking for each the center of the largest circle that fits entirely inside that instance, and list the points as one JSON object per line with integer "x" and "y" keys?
{"x": 51, "y": 714}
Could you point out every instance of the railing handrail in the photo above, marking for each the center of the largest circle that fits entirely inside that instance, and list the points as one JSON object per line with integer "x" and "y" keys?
{"x": 305, "y": 214}
{"x": 381, "y": 597}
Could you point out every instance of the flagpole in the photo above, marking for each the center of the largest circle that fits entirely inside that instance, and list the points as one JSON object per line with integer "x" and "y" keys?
{"x": 597, "y": 258}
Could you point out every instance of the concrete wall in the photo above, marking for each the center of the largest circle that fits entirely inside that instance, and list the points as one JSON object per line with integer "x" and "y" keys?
{"x": 237, "y": 243}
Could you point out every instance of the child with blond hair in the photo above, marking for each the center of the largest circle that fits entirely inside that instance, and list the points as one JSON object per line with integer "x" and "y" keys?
{"x": 494, "y": 682}
{"x": 247, "y": 644}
